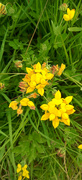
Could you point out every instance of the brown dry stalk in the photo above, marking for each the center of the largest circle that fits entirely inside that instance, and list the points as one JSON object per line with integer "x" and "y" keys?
{"x": 36, "y": 27}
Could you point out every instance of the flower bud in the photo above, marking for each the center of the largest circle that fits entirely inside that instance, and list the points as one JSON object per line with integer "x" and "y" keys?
{"x": 63, "y": 7}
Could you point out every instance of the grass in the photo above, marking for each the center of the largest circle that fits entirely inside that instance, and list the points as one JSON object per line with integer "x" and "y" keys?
{"x": 34, "y": 32}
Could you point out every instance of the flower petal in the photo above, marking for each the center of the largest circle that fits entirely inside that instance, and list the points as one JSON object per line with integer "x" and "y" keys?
{"x": 66, "y": 17}
{"x": 44, "y": 107}
{"x": 45, "y": 116}
{"x": 51, "y": 117}
{"x": 58, "y": 95}
{"x": 24, "y": 101}
{"x": 55, "y": 122}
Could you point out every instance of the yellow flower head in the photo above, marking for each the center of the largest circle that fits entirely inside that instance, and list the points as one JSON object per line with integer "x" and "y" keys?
{"x": 37, "y": 78}
{"x": 69, "y": 15}
{"x": 58, "y": 110}
{"x": 24, "y": 173}
{"x": 13, "y": 105}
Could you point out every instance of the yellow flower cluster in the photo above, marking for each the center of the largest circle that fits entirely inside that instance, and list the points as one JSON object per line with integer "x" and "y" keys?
{"x": 23, "y": 102}
{"x": 70, "y": 14}
{"x": 22, "y": 172}
{"x": 58, "y": 110}
{"x": 37, "y": 78}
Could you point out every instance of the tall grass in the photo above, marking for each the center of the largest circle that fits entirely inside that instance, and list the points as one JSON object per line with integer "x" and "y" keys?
{"x": 31, "y": 33}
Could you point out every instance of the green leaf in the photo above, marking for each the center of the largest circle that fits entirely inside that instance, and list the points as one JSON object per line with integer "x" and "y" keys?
{"x": 32, "y": 152}
{"x": 58, "y": 40}
{"x": 37, "y": 137}
{"x": 2, "y": 151}
{"x": 14, "y": 44}
{"x": 39, "y": 148}
{"x": 75, "y": 29}
{"x": 56, "y": 29}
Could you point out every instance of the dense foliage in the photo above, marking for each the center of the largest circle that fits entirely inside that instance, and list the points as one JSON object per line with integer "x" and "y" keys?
{"x": 48, "y": 32}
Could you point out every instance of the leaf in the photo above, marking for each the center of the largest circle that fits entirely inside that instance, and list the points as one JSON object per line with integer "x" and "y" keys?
{"x": 75, "y": 29}
{"x": 56, "y": 29}
{"x": 39, "y": 148}
{"x": 37, "y": 137}
{"x": 32, "y": 153}
{"x": 2, "y": 151}
{"x": 15, "y": 44}
{"x": 58, "y": 40}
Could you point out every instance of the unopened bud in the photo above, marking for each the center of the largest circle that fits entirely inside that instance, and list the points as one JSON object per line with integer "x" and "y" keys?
{"x": 18, "y": 64}
{"x": 63, "y": 7}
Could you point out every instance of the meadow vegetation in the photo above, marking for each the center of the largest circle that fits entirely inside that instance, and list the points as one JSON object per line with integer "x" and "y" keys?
{"x": 40, "y": 89}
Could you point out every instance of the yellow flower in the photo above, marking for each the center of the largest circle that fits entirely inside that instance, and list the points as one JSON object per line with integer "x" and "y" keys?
{"x": 45, "y": 116}
{"x": 58, "y": 110}
{"x": 44, "y": 107}
{"x": 52, "y": 117}
{"x": 26, "y": 78}
{"x": 57, "y": 100}
{"x": 25, "y": 173}
{"x": 13, "y": 105}
{"x": 68, "y": 99}
{"x": 69, "y": 15}
{"x": 30, "y": 104}
{"x": 24, "y": 102}
{"x": 19, "y": 111}
{"x": 55, "y": 122}
{"x": 61, "y": 69}
{"x": 65, "y": 121}
{"x": 38, "y": 77}
{"x": 49, "y": 76}
{"x": 80, "y": 146}
{"x": 29, "y": 70}
{"x": 25, "y": 167}
{"x": 20, "y": 177}
{"x": 40, "y": 89}
{"x": 38, "y": 67}
{"x": 19, "y": 168}
{"x": 30, "y": 89}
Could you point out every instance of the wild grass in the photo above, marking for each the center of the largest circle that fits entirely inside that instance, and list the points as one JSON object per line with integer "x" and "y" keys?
{"x": 34, "y": 32}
